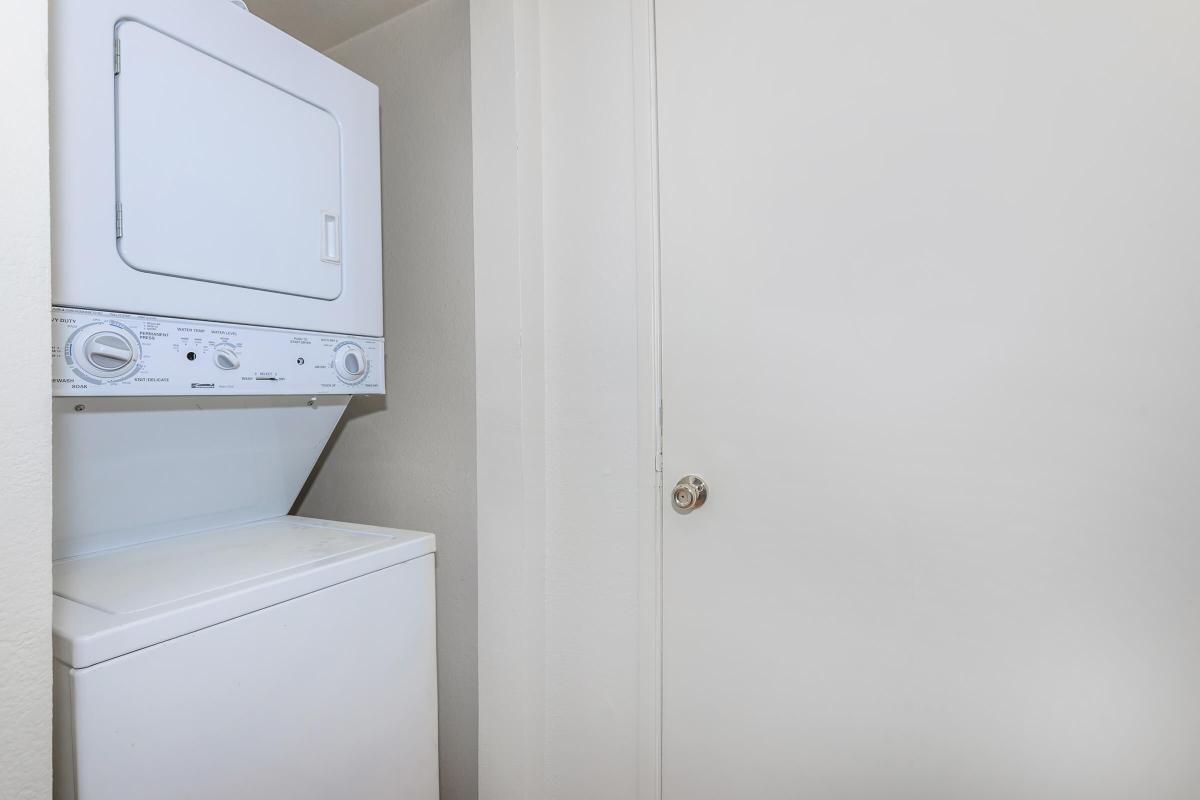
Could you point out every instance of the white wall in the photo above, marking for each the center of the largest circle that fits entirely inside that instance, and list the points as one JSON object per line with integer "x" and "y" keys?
{"x": 562, "y": 607}
{"x": 409, "y": 460}
{"x": 25, "y": 408}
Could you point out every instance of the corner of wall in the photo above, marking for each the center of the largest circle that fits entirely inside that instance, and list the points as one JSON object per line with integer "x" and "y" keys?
{"x": 25, "y": 473}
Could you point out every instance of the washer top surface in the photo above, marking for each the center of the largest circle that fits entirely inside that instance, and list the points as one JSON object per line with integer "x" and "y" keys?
{"x": 117, "y": 601}
{"x": 144, "y": 577}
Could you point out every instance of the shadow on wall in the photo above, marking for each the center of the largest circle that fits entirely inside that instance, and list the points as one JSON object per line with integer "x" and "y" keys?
{"x": 360, "y": 406}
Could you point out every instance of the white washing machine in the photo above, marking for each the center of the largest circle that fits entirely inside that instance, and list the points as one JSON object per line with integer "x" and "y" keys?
{"x": 217, "y": 303}
{"x": 288, "y": 658}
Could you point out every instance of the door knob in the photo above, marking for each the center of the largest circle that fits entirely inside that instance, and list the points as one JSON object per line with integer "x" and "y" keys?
{"x": 689, "y": 494}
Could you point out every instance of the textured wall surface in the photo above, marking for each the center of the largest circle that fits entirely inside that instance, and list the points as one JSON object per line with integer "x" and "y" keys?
{"x": 25, "y": 409}
{"x": 408, "y": 460}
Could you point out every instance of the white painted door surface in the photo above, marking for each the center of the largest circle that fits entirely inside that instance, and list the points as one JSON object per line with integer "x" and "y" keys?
{"x": 931, "y": 333}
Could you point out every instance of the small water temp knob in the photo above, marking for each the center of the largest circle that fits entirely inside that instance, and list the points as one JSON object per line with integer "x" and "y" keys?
{"x": 226, "y": 358}
{"x": 107, "y": 354}
{"x": 350, "y": 362}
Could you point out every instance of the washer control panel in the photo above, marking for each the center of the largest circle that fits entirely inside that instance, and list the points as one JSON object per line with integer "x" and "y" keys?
{"x": 103, "y": 353}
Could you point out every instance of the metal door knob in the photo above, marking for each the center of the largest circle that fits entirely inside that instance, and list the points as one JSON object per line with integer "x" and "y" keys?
{"x": 689, "y": 494}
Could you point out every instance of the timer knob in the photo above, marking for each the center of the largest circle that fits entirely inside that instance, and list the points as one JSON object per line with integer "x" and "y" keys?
{"x": 350, "y": 363}
{"x": 108, "y": 353}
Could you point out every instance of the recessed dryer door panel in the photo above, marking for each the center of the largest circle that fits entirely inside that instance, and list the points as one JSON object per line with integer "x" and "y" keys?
{"x": 221, "y": 176}
{"x": 208, "y": 166}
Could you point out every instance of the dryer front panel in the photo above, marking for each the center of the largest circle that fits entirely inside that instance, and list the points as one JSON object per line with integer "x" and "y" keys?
{"x": 207, "y": 165}
{"x": 222, "y": 177}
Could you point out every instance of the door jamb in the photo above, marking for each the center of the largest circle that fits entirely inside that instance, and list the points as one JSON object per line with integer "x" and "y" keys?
{"x": 649, "y": 434}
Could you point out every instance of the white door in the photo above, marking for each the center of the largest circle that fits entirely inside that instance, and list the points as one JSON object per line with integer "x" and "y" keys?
{"x": 931, "y": 334}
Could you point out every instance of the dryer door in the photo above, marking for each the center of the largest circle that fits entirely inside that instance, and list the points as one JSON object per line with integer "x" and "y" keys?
{"x": 222, "y": 177}
{"x": 208, "y": 166}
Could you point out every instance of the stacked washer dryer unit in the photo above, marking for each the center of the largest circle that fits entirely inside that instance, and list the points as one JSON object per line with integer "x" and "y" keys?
{"x": 217, "y": 302}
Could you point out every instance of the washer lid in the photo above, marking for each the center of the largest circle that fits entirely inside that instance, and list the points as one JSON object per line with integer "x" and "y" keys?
{"x": 114, "y": 602}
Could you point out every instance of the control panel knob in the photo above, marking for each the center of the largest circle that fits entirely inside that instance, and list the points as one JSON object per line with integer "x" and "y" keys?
{"x": 108, "y": 353}
{"x": 226, "y": 358}
{"x": 350, "y": 363}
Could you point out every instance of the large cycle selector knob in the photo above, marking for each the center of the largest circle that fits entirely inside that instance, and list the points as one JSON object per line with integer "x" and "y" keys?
{"x": 108, "y": 354}
{"x": 350, "y": 362}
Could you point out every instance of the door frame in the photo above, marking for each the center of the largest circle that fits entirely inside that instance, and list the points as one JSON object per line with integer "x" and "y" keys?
{"x": 649, "y": 392}
{"x": 511, "y": 443}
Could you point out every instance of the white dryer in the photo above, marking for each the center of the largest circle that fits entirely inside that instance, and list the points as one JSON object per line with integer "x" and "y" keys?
{"x": 208, "y": 166}
{"x": 217, "y": 296}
